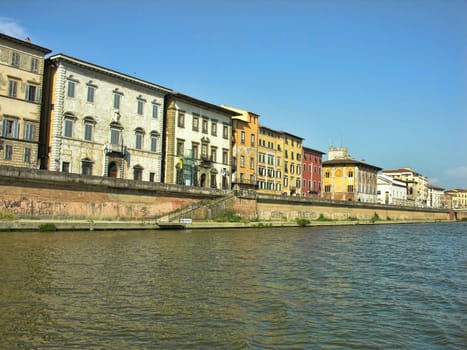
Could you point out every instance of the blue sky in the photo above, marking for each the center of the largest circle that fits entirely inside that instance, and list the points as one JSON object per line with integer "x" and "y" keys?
{"x": 386, "y": 79}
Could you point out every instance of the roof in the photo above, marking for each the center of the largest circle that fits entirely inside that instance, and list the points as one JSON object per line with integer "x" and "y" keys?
{"x": 312, "y": 150}
{"x": 348, "y": 161}
{"x": 25, "y": 43}
{"x": 204, "y": 104}
{"x": 435, "y": 187}
{"x": 243, "y": 114}
{"x": 402, "y": 170}
{"x": 110, "y": 72}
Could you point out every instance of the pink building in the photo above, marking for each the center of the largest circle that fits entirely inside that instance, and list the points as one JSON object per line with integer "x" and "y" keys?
{"x": 311, "y": 173}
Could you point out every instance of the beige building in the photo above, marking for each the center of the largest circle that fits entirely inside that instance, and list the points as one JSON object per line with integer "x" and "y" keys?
{"x": 101, "y": 122}
{"x": 417, "y": 184}
{"x": 270, "y": 161}
{"x": 456, "y": 198}
{"x": 21, "y": 74}
{"x": 198, "y": 141}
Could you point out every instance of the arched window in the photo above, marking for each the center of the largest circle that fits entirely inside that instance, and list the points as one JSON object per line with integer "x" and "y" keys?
{"x": 154, "y": 139}
{"x": 68, "y": 122}
{"x": 139, "y": 138}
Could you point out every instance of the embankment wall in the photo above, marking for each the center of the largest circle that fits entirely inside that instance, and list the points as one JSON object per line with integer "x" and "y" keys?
{"x": 42, "y": 194}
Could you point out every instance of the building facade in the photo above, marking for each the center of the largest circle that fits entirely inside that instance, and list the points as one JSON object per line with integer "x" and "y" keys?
{"x": 292, "y": 164}
{"x": 21, "y": 72}
{"x": 348, "y": 179}
{"x": 435, "y": 198}
{"x": 417, "y": 184}
{"x": 456, "y": 198}
{"x": 244, "y": 149}
{"x": 391, "y": 191}
{"x": 198, "y": 141}
{"x": 312, "y": 162}
{"x": 101, "y": 122}
{"x": 270, "y": 161}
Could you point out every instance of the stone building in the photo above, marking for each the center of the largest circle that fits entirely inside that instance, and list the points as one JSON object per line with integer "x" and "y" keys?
{"x": 21, "y": 80}
{"x": 98, "y": 121}
{"x": 198, "y": 141}
{"x": 456, "y": 198}
{"x": 347, "y": 179}
{"x": 244, "y": 149}
{"x": 435, "y": 197}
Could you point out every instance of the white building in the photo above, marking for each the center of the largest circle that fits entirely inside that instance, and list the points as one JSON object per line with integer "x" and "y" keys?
{"x": 198, "y": 141}
{"x": 102, "y": 122}
{"x": 417, "y": 184}
{"x": 391, "y": 191}
{"x": 435, "y": 197}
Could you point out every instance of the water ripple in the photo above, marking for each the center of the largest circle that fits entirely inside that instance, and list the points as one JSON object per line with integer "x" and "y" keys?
{"x": 365, "y": 287}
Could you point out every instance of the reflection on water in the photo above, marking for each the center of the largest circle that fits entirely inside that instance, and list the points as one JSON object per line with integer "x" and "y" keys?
{"x": 398, "y": 286}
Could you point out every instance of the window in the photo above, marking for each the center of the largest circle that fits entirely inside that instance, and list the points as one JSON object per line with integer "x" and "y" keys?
{"x": 32, "y": 93}
{"x": 204, "y": 151}
{"x": 214, "y": 129}
{"x": 155, "y": 110}
{"x": 68, "y": 129}
{"x": 138, "y": 139}
{"x": 195, "y": 124}
{"x": 138, "y": 173}
{"x": 90, "y": 94}
{"x": 8, "y": 152}
{"x": 214, "y": 154}
{"x": 286, "y": 181}
{"x": 195, "y": 150}
{"x": 225, "y": 156}
{"x": 327, "y": 188}
{"x": 350, "y": 188}
{"x": 88, "y": 126}
{"x": 204, "y": 126}
{"x": 151, "y": 177}
{"x": 286, "y": 154}
{"x": 140, "y": 107}
{"x": 86, "y": 166}
{"x": 117, "y": 100}
{"x": 27, "y": 155}
{"x": 65, "y": 167}
{"x": 71, "y": 85}
{"x": 252, "y": 162}
{"x": 181, "y": 119}
{"x": 29, "y": 131}
{"x": 225, "y": 132}
{"x": 350, "y": 174}
{"x": 34, "y": 65}
{"x": 242, "y": 137}
{"x": 252, "y": 140}
{"x": 180, "y": 144}
{"x": 15, "y": 59}
{"x": 12, "y": 88}
{"x": 10, "y": 128}
{"x": 114, "y": 136}
{"x": 242, "y": 161}
{"x": 154, "y": 137}
{"x": 327, "y": 174}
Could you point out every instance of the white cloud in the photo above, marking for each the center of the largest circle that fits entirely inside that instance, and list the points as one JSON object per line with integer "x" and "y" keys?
{"x": 9, "y": 27}
{"x": 460, "y": 171}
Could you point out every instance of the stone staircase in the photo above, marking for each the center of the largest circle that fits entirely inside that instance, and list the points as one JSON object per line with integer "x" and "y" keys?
{"x": 189, "y": 211}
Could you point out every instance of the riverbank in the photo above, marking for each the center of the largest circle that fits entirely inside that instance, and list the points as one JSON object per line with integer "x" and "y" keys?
{"x": 102, "y": 225}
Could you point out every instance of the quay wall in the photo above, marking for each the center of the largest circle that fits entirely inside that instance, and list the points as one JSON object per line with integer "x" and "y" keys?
{"x": 40, "y": 194}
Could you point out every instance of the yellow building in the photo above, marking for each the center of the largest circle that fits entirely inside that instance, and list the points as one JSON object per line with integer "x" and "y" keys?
{"x": 270, "y": 161}
{"x": 244, "y": 149}
{"x": 21, "y": 72}
{"x": 292, "y": 164}
{"x": 348, "y": 179}
{"x": 456, "y": 198}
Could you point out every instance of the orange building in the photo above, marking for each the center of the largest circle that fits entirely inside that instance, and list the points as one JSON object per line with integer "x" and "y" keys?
{"x": 244, "y": 149}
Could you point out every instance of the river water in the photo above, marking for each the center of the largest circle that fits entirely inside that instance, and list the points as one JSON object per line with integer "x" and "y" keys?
{"x": 359, "y": 287}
